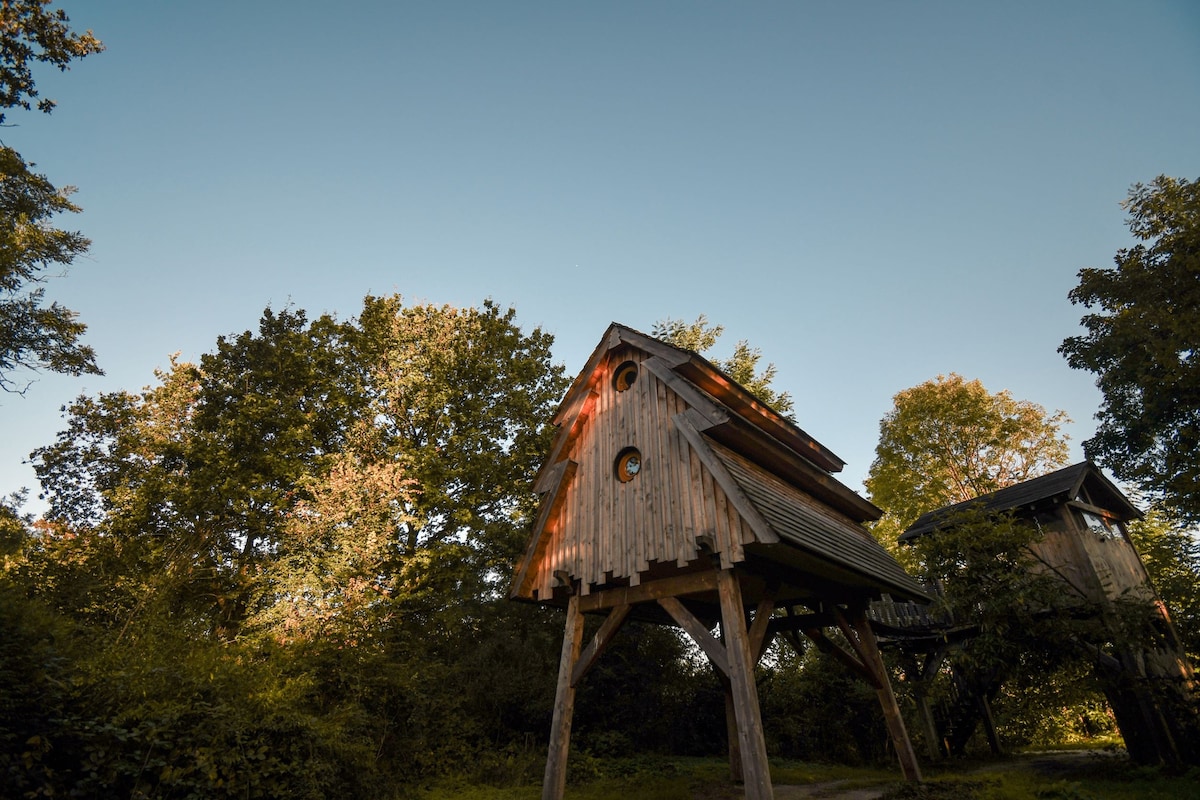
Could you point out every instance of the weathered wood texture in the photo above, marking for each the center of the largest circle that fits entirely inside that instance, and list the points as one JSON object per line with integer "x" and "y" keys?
{"x": 607, "y": 530}
{"x": 555, "y": 782}
{"x": 752, "y": 745}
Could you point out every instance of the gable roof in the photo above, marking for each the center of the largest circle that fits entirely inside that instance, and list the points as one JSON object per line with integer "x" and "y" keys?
{"x": 774, "y": 479}
{"x": 1067, "y": 484}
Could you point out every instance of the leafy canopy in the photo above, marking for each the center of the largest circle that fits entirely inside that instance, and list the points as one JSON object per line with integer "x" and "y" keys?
{"x": 34, "y": 335}
{"x": 741, "y": 366}
{"x": 308, "y": 469}
{"x": 949, "y": 440}
{"x": 1170, "y": 552}
{"x": 1143, "y": 344}
{"x": 32, "y": 33}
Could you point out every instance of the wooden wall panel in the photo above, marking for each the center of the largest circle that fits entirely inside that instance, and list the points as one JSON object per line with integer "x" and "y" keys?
{"x": 607, "y": 529}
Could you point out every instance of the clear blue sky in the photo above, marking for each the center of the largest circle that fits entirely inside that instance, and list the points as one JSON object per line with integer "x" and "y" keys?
{"x": 873, "y": 193}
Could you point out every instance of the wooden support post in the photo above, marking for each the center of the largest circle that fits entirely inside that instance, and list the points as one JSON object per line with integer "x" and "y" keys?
{"x": 555, "y": 783}
{"x": 869, "y": 652}
{"x": 922, "y": 677}
{"x": 759, "y": 637}
{"x": 599, "y": 643}
{"x": 755, "y": 770}
{"x": 731, "y": 732}
{"x": 989, "y": 722}
{"x": 933, "y": 747}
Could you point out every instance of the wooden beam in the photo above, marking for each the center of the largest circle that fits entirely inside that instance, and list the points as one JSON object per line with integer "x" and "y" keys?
{"x": 560, "y": 478}
{"x": 755, "y": 770}
{"x": 701, "y": 635}
{"x": 599, "y": 643}
{"x": 830, "y": 647}
{"x": 921, "y": 677}
{"x": 709, "y": 409}
{"x": 859, "y": 648}
{"x": 691, "y": 583}
{"x": 686, "y": 424}
{"x": 567, "y": 436}
{"x": 555, "y": 782}
{"x": 887, "y": 699}
{"x": 760, "y": 632}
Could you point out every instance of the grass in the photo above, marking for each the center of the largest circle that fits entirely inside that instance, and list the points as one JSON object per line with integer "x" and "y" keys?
{"x": 1030, "y": 777}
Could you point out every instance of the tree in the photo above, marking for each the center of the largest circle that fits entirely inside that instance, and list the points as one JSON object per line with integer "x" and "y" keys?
{"x": 1171, "y": 554}
{"x": 949, "y": 440}
{"x": 742, "y": 366}
{"x": 32, "y": 334}
{"x": 283, "y": 557}
{"x": 1143, "y": 343}
{"x": 32, "y": 33}
{"x": 409, "y": 436}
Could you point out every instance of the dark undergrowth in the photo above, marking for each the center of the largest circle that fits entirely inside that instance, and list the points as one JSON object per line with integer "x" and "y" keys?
{"x": 1043, "y": 776}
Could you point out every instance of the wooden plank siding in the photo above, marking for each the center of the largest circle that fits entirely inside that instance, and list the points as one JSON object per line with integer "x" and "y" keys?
{"x": 606, "y": 530}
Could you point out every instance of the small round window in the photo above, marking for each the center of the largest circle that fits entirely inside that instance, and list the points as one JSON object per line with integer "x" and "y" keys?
{"x": 625, "y": 375}
{"x": 629, "y": 464}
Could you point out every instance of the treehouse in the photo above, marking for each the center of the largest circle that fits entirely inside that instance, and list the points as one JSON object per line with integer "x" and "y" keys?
{"x": 672, "y": 495}
{"x": 1082, "y": 517}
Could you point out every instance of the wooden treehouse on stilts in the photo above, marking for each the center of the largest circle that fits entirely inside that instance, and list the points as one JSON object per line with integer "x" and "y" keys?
{"x": 674, "y": 496}
{"x": 1084, "y": 544}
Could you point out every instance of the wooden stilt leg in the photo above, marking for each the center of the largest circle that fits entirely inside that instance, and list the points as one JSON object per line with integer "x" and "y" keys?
{"x": 921, "y": 678}
{"x": 555, "y": 783}
{"x": 887, "y": 699}
{"x": 929, "y": 727}
{"x": 731, "y": 729}
{"x": 755, "y": 771}
{"x": 989, "y": 724}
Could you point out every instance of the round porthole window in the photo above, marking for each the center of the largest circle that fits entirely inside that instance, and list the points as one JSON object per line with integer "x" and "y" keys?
{"x": 625, "y": 375}
{"x": 629, "y": 464}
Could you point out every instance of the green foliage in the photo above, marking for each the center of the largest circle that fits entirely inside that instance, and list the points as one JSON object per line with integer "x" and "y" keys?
{"x": 462, "y": 399}
{"x": 1054, "y": 708}
{"x": 1171, "y": 554}
{"x": 949, "y": 440}
{"x": 31, "y": 33}
{"x": 34, "y": 335}
{"x": 284, "y": 559}
{"x": 1026, "y": 631}
{"x": 1143, "y": 343}
{"x": 986, "y": 575}
{"x": 741, "y": 366}
{"x": 647, "y": 695}
{"x": 814, "y": 709}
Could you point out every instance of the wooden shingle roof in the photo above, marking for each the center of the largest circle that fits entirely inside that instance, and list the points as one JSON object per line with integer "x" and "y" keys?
{"x": 799, "y": 522}
{"x": 1067, "y": 484}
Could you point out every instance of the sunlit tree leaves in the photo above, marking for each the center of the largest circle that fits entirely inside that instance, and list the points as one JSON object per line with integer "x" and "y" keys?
{"x": 949, "y": 440}
{"x": 742, "y": 365}
{"x": 35, "y": 334}
{"x": 1143, "y": 343}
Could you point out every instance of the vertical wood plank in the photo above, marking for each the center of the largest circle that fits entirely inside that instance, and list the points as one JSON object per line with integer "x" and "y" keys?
{"x": 555, "y": 782}
{"x": 755, "y": 771}
{"x": 685, "y": 532}
{"x": 653, "y": 492}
